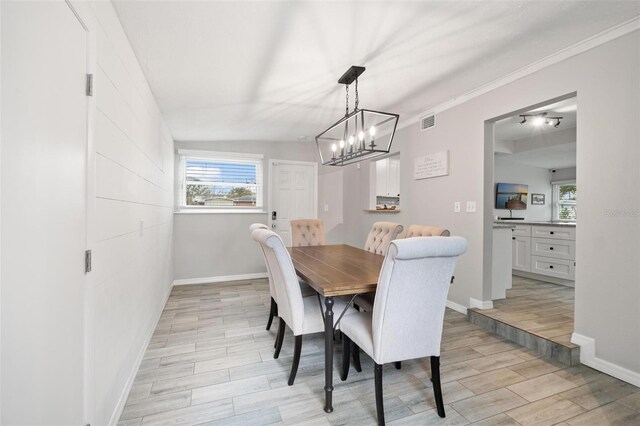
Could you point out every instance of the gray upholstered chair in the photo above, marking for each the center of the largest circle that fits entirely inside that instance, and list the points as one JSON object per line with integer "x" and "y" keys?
{"x": 303, "y": 315}
{"x": 408, "y": 312}
{"x": 424, "y": 231}
{"x": 273, "y": 311}
{"x": 381, "y": 234}
{"x": 307, "y": 232}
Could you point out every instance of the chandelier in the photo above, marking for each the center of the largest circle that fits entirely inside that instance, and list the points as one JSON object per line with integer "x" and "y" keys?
{"x": 361, "y": 134}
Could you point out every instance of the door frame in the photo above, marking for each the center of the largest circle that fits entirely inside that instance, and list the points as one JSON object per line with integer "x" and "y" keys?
{"x": 274, "y": 162}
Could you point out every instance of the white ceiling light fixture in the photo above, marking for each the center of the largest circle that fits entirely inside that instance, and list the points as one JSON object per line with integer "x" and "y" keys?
{"x": 541, "y": 119}
{"x": 361, "y": 134}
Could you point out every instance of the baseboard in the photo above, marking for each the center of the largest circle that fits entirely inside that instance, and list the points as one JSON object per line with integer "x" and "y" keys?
{"x": 117, "y": 412}
{"x": 456, "y": 307}
{"x": 480, "y": 304}
{"x": 220, "y": 278}
{"x": 588, "y": 358}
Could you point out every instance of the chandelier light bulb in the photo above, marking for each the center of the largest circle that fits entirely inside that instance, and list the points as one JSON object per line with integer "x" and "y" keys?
{"x": 351, "y": 140}
{"x": 538, "y": 121}
{"x": 334, "y": 147}
{"x": 342, "y": 143}
{"x": 361, "y": 135}
{"x": 372, "y": 131}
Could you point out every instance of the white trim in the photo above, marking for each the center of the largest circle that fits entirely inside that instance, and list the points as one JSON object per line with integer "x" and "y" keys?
{"x": 588, "y": 358}
{"x": 117, "y": 412}
{"x": 568, "y": 52}
{"x": 480, "y": 304}
{"x": 219, "y": 154}
{"x": 220, "y": 278}
{"x": 456, "y": 307}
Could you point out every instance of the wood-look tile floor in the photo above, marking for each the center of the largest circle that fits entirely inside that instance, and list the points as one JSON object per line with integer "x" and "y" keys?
{"x": 210, "y": 361}
{"x": 538, "y": 307}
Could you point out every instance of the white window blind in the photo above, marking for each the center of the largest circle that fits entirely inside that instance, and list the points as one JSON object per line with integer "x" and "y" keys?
{"x": 214, "y": 180}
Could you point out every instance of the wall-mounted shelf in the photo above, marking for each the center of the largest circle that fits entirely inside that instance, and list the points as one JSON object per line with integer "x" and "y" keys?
{"x": 382, "y": 211}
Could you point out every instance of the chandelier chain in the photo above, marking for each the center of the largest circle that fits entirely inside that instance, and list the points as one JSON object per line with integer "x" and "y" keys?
{"x": 357, "y": 99}
{"x": 346, "y": 109}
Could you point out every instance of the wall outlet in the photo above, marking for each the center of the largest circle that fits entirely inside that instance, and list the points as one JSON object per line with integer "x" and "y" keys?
{"x": 326, "y": 207}
{"x": 471, "y": 206}
{"x": 141, "y": 227}
{"x": 456, "y": 207}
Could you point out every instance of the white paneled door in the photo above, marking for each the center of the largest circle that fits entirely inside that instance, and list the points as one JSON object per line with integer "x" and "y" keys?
{"x": 293, "y": 194}
{"x": 44, "y": 143}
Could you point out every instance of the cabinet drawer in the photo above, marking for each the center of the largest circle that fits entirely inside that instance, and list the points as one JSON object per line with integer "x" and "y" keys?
{"x": 557, "y": 249}
{"x": 559, "y": 268}
{"x": 521, "y": 230}
{"x": 555, "y": 232}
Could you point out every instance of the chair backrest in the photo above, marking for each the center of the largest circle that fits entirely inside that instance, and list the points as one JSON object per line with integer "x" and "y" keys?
{"x": 425, "y": 231}
{"x": 307, "y": 232}
{"x": 408, "y": 311}
{"x": 272, "y": 289}
{"x": 285, "y": 280}
{"x": 381, "y": 234}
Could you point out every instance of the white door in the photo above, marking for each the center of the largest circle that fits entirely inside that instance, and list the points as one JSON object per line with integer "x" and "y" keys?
{"x": 292, "y": 194}
{"x": 44, "y": 112}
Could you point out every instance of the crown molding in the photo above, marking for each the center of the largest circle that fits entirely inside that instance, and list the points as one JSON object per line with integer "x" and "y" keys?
{"x": 589, "y": 43}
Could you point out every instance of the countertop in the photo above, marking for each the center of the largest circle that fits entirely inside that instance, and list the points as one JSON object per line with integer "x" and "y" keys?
{"x": 533, "y": 222}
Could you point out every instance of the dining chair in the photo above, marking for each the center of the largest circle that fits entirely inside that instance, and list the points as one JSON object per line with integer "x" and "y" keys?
{"x": 408, "y": 312}
{"x": 273, "y": 310}
{"x": 381, "y": 234}
{"x": 307, "y": 232}
{"x": 425, "y": 231}
{"x": 303, "y": 315}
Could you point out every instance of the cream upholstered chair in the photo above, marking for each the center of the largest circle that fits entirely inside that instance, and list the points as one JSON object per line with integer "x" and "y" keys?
{"x": 303, "y": 315}
{"x": 408, "y": 312}
{"x": 273, "y": 311}
{"x": 425, "y": 231}
{"x": 307, "y": 232}
{"x": 381, "y": 234}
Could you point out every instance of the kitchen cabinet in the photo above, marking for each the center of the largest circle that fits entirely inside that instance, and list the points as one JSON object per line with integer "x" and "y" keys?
{"x": 388, "y": 177}
{"x": 521, "y": 253}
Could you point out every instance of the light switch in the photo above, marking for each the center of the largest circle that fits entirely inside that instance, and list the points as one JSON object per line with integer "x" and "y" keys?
{"x": 326, "y": 207}
{"x": 456, "y": 207}
{"x": 471, "y": 206}
{"x": 141, "y": 227}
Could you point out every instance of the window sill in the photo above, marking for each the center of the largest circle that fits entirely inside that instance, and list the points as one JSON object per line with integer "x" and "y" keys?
{"x": 218, "y": 211}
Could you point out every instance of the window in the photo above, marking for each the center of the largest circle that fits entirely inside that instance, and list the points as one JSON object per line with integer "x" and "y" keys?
{"x": 564, "y": 200}
{"x": 220, "y": 181}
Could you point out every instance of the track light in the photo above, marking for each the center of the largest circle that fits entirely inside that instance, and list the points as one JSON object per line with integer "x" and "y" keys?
{"x": 541, "y": 118}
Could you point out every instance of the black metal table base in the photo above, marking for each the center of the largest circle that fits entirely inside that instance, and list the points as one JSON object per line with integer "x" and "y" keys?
{"x": 328, "y": 355}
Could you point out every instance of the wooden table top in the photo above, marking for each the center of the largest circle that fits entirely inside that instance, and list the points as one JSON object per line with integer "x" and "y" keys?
{"x": 337, "y": 270}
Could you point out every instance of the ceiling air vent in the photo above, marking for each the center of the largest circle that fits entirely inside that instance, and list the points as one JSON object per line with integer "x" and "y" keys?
{"x": 427, "y": 122}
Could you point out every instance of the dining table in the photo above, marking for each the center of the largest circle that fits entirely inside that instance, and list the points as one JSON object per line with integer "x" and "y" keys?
{"x": 335, "y": 270}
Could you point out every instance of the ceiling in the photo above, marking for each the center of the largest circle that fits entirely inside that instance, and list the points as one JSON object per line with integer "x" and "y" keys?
{"x": 541, "y": 146}
{"x": 223, "y": 70}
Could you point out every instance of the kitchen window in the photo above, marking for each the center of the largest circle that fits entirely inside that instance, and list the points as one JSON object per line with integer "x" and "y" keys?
{"x": 565, "y": 200}
{"x": 220, "y": 181}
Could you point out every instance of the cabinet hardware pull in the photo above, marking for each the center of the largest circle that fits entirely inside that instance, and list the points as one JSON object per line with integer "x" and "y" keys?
{"x": 550, "y": 266}
{"x": 551, "y": 232}
{"x": 513, "y": 238}
{"x": 550, "y": 248}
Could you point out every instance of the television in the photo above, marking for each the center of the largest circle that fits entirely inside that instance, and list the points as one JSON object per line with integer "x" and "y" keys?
{"x": 511, "y": 196}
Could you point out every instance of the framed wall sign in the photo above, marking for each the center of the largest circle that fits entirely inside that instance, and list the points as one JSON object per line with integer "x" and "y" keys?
{"x": 432, "y": 165}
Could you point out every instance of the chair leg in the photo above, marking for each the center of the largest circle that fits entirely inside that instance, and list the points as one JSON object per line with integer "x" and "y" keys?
{"x": 346, "y": 354}
{"x": 355, "y": 353}
{"x": 279, "y": 339}
{"x": 379, "y": 397}
{"x": 398, "y": 365}
{"x": 437, "y": 389}
{"x": 272, "y": 312}
{"x": 296, "y": 359}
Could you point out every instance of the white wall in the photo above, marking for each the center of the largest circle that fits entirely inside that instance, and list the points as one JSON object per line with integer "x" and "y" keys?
{"x": 607, "y": 81}
{"x": 218, "y": 244}
{"x": 132, "y": 223}
{"x": 538, "y": 180}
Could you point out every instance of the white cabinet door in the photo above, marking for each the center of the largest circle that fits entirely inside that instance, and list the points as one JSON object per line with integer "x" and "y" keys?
{"x": 382, "y": 167}
{"x": 393, "y": 178}
{"x": 521, "y": 253}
